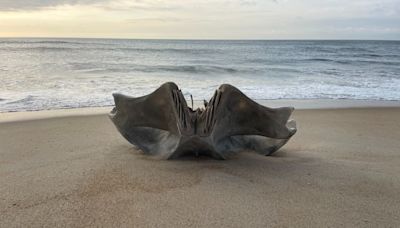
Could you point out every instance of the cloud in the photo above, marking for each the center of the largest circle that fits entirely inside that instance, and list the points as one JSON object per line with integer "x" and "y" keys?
{"x": 19, "y": 5}
{"x": 144, "y": 5}
{"x": 197, "y": 19}
{"x": 155, "y": 20}
{"x": 120, "y": 5}
{"x": 29, "y": 5}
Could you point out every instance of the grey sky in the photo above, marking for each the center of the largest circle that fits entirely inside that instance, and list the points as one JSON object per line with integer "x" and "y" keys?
{"x": 14, "y": 5}
{"x": 236, "y": 19}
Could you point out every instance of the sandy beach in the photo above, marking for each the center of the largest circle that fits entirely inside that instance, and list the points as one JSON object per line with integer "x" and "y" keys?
{"x": 341, "y": 169}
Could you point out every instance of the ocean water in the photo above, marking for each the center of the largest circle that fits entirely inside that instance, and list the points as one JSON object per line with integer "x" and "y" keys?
{"x": 41, "y": 74}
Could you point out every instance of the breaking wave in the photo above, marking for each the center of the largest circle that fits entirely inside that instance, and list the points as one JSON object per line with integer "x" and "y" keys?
{"x": 64, "y": 73}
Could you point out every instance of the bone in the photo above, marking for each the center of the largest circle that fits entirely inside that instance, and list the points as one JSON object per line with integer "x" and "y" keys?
{"x": 161, "y": 124}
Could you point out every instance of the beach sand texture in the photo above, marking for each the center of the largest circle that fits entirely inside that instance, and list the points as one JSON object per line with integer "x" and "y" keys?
{"x": 341, "y": 169}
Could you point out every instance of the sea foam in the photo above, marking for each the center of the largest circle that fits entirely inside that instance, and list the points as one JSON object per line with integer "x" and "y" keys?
{"x": 41, "y": 74}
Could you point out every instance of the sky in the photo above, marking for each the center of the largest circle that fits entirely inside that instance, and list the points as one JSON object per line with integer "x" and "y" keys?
{"x": 202, "y": 19}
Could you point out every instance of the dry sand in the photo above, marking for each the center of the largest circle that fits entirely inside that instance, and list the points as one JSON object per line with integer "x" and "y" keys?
{"x": 341, "y": 169}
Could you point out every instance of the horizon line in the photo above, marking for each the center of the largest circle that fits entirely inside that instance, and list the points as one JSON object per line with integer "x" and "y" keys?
{"x": 195, "y": 39}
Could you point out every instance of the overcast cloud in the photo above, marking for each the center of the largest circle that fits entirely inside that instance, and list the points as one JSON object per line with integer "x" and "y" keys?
{"x": 237, "y": 19}
{"x": 18, "y": 5}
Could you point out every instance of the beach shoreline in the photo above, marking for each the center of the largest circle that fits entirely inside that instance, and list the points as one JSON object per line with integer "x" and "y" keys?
{"x": 75, "y": 169}
{"x": 298, "y": 104}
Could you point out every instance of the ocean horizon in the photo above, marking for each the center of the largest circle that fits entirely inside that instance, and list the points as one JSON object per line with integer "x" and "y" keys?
{"x": 53, "y": 73}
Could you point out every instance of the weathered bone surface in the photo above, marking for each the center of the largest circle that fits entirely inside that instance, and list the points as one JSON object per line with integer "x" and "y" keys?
{"x": 162, "y": 124}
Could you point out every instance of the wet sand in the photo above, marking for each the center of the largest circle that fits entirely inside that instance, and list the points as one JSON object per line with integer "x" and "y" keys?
{"x": 341, "y": 169}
